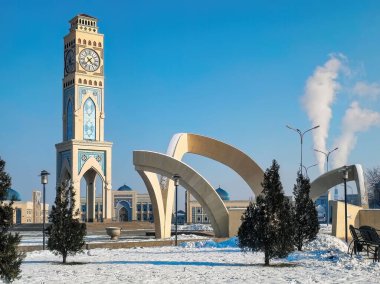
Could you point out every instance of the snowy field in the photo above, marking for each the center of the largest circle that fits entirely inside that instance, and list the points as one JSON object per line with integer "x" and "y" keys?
{"x": 31, "y": 238}
{"x": 323, "y": 261}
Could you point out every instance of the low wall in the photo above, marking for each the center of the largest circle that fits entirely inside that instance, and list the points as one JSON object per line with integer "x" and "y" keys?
{"x": 234, "y": 220}
{"x": 370, "y": 217}
{"x": 356, "y": 216}
{"x": 338, "y": 224}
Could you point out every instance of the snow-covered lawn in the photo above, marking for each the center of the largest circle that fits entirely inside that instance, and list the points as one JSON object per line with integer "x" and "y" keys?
{"x": 323, "y": 261}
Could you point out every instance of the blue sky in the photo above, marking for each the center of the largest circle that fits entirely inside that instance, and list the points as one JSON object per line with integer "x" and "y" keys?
{"x": 232, "y": 70}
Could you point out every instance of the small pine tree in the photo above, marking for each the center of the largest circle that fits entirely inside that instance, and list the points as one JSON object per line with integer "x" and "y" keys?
{"x": 10, "y": 258}
{"x": 305, "y": 214}
{"x": 66, "y": 233}
{"x": 267, "y": 225}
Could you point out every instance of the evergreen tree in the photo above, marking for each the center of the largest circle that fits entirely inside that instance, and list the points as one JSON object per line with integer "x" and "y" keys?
{"x": 10, "y": 258}
{"x": 305, "y": 213}
{"x": 66, "y": 233}
{"x": 267, "y": 225}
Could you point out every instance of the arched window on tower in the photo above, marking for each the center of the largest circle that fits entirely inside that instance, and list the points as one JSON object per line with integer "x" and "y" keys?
{"x": 89, "y": 120}
{"x": 90, "y": 82}
{"x": 99, "y": 44}
{"x": 100, "y": 83}
{"x": 79, "y": 41}
{"x": 95, "y": 83}
{"x": 84, "y": 41}
{"x": 80, "y": 81}
{"x": 89, "y": 42}
{"x": 69, "y": 120}
{"x": 84, "y": 81}
{"x": 94, "y": 43}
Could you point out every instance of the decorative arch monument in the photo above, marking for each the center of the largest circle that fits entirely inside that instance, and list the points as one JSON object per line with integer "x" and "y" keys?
{"x": 332, "y": 178}
{"x": 161, "y": 189}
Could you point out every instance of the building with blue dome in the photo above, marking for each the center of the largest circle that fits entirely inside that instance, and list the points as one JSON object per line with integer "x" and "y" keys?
{"x": 26, "y": 211}
{"x": 12, "y": 195}
{"x": 223, "y": 194}
{"x": 124, "y": 188}
{"x": 197, "y": 215}
{"x": 127, "y": 205}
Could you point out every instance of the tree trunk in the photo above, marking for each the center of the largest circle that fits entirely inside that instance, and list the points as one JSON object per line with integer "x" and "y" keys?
{"x": 266, "y": 258}
{"x": 299, "y": 246}
{"x": 64, "y": 255}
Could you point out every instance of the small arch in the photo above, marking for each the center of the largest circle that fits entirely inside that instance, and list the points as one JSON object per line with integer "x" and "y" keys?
{"x": 84, "y": 41}
{"x": 85, "y": 81}
{"x": 89, "y": 42}
{"x": 94, "y": 43}
{"x": 80, "y": 81}
{"x": 100, "y": 83}
{"x": 79, "y": 41}
{"x": 95, "y": 83}
{"x": 99, "y": 44}
{"x": 89, "y": 82}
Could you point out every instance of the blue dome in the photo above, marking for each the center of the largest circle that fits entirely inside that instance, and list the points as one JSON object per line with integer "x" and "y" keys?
{"x": 12, "y": 195}
{"x": 124, "y": 188}
{"x": 222, "y": 193}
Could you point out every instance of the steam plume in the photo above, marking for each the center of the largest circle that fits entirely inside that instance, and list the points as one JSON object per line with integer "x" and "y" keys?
{"x": 355, "y": 120}
{"x": 321, "y": 89}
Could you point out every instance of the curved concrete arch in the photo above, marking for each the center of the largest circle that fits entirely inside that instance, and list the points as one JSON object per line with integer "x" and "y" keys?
{"x": 153, "y": 186}
{"x": 226, "y": 154}
{"x": 192, "y": 181}
{"x": 332, "y": 178}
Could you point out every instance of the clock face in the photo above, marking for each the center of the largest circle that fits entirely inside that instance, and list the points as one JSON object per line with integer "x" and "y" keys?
{"x": 70, "y": 61}
{"x": 89, "y": 59}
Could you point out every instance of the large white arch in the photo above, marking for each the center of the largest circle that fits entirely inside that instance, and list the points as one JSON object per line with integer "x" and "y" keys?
{"x": 241, "y": 163}
{"x": 161, "y": 190}
{"x": 332, "y": 178}
{"x": 192, "y": 181}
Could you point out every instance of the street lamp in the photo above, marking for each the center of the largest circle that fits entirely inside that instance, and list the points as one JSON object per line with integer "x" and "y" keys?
{"x": 301, "y": 134}
{"x": 327, "y": 155}
{"x": 345, "y": 178}
{"x": 307, "y": 168}
{"x": 44, "y": 180}
{"x": 176, "y": 178}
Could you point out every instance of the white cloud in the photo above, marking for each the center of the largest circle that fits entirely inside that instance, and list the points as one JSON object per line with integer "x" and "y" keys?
{"x": 355, "y": 120}
{"x": 320, "y": 92}
{"x": 364, "y": 89}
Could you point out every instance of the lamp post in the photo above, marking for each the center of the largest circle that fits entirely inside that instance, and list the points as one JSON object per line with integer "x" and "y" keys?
{"x": 307, "y": 168}
{"x": 327, "y": 155}
{"x": 44, "y": 180}
{"x": 301, "y": 134}
{"x": 345, "y": 178}
{"x": 176, "y": 178}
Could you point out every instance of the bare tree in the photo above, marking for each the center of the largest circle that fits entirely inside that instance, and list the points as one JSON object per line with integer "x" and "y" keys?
{"x": 372, "y": 179}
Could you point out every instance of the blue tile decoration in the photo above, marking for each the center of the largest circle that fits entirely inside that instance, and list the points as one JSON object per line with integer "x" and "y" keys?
{"x": 96, "y": 94}
{"x": 89, "y": 120}
{"x": 67, "y": 94}
{"x": 65, "y": 155}
{"x": 69, "y": 120}
{"x": 99, "y": 156}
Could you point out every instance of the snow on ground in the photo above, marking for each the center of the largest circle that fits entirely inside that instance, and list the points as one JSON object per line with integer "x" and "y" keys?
{"x": 323, "y": 261}
{"x": 194, "y": 227}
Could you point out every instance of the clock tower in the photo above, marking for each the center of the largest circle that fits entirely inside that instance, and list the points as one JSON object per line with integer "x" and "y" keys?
{"x": 83, "y": 153}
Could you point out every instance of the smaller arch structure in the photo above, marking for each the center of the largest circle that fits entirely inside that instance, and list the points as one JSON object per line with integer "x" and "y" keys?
{"x": 200, "y": 188}
{"x": 332, "y": 178}
{"x": 161, "y": 189}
